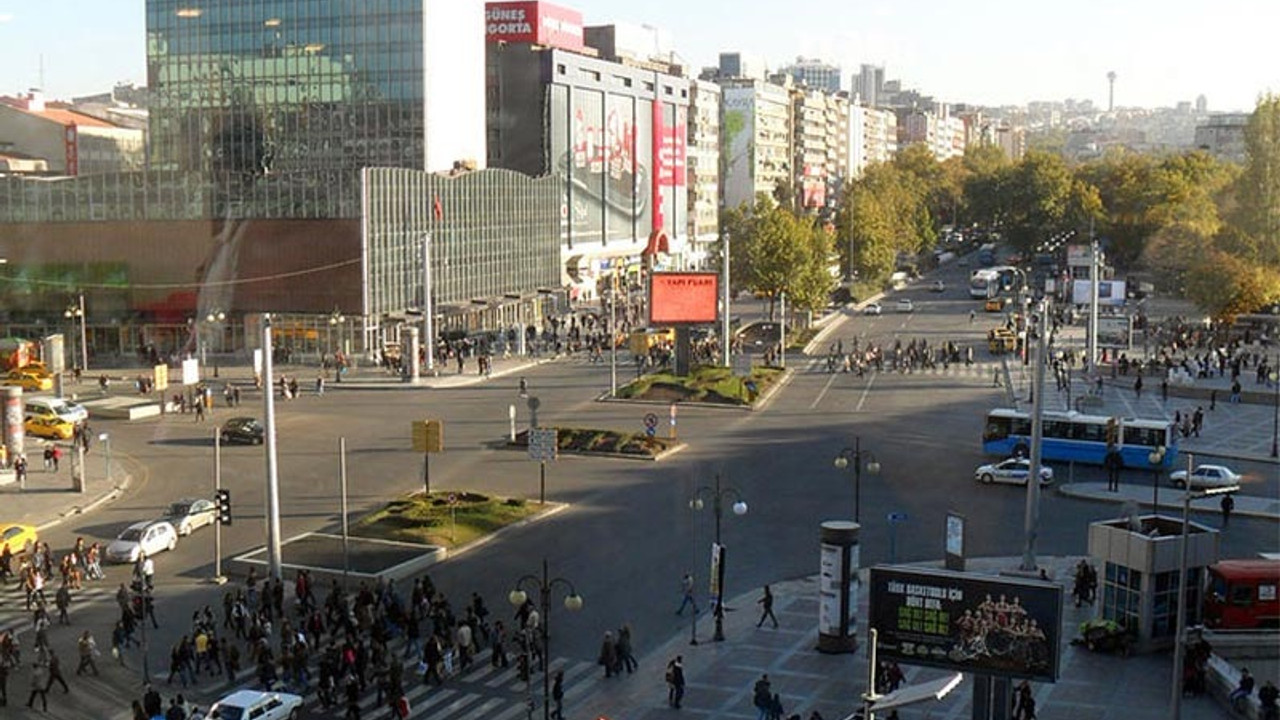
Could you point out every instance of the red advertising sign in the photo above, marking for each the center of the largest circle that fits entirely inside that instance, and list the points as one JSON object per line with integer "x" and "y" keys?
{"x": 669, "y": 161}
{"x": 678, "y": 298}
{"x": 72, "y": 144}
{"x": 536, "y": 23}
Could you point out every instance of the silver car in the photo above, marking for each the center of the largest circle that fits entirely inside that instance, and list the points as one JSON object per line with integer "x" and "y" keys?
{"x": 190, "y": 514}
{"x": 149, "y": 536}
{"x": 1013, "y": 470}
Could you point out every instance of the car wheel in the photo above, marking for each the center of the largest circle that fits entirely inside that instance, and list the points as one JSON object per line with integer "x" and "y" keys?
{"x": 1180, "y": 484}
{"x": 293, "y": 714}
{"x": 173, "y": 543}
{"x": 988, "y": 478}
{"x": 184, "y": 530}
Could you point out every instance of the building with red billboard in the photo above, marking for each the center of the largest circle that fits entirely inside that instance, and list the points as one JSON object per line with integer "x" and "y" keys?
{"x": 614, "y": 126}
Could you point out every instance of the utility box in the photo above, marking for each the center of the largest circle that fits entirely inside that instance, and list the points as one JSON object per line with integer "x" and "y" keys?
{"x": 1137, "y": 559}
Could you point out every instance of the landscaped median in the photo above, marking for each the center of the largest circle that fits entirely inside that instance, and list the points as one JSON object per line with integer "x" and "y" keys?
{"x": 445, "y": 519}
{"x": 708, "y": 384}
{"x": 606, "y": 443}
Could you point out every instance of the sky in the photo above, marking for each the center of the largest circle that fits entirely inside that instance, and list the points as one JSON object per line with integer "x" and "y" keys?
{"x": 987, "y": 52}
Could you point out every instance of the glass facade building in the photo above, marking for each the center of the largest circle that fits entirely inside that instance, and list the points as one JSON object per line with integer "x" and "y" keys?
{"x": 249, "y": 88}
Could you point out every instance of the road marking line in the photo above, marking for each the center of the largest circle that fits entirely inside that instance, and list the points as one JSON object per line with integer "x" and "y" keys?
{"x": 823, "y": 394}
{"x": 870, "y": 381}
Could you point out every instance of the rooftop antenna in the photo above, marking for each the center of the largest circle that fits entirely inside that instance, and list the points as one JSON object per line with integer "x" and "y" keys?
{"x": 1111, "y": 91}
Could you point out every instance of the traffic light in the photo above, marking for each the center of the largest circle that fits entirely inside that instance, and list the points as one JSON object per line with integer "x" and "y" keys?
{"x": 223, "y": 499}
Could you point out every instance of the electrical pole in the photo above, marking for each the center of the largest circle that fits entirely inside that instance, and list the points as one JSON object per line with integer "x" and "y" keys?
{"x": 1094, "y": 276}
{"x": 724, "y": 281}
{"x": 1032, "y": 518}
{"x": 428, "y": 309}
{"x": 273, "y": 475}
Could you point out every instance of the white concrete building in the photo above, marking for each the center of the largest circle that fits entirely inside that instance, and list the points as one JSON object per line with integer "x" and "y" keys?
{"x": 703, "y": 170}
{"x": 755, "y": 138}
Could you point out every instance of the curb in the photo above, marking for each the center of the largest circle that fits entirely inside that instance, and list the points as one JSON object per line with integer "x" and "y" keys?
{"x": 426, "y": 381}
{"x": 508, "y": 445}
{"x": 109, "y": 496}
{"x": 1116, "y": 499}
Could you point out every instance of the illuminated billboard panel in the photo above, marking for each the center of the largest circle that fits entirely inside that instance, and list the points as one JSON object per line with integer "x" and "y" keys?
{"x": 677, "y": 298}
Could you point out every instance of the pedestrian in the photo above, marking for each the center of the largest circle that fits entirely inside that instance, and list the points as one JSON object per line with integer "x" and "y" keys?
{"x": 557, "y": 695}
{"x": 1213, "y": 399}
{"x": 686, "y": 591}
{"x": 524, "y": 387}
{"x": 625, "y": 656}
{"x": 1137, "y": 388}
{"x": 762, "y": 697}
{"x": 766, "y": 608}
{"x": 609, "y": 654}
{"x": 1243, "y": 689}
{"x": 55, "y": 674}
{"x": 63, "y": 601}
{"x": 319, "y": 385}
{"x": 675, "y": 681}
{"x": 88, "y": 649}
{"x": 1228, "y": 504}
{"x": 39, "y": 685}
{"x": 1268, "y": 696}
{"x": 199, "y": 411}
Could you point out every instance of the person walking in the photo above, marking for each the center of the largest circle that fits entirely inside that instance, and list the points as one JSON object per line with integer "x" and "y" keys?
{"x": 609, "y": 654}
{"x": 1228, "y": 504}
{"x": 39, "y": 685}
{"x": 766, "y": 608}
{"x": 88, "y": 649}
{"x": 675, "y": 682}
{"x": 626, "y": 659}
{"x": 557, "y": 695}
{"x": 762, "y": 697}
{"x": 1137, "y": 388}
{"x": 687, "y": 599}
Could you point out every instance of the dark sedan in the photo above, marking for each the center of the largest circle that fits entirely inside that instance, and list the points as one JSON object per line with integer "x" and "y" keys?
{"x": 243, "y": 430}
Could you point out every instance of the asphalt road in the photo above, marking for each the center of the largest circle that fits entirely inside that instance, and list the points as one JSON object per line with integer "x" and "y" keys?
{"x": 630, "y": 533}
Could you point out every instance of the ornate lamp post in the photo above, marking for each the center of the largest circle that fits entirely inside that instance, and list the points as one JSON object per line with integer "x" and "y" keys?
{"x": 718, "y": 495}
{"x": 73, "y": 312}
{"x": 214, "y": 317}
{"x": 572, "y": 603}
{"x": 1156, "y": 458}
{"x": 858, "y": 457}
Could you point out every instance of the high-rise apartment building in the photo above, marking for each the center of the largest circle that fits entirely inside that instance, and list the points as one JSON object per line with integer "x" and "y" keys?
{"x": 815, "y": 74}
{"x": 871, "y": 85}
{"x": 703, "y": 168}
{"x": 739, "y": 65}
{"x": 873, "y": 138}
{"x": 756, "y": 139}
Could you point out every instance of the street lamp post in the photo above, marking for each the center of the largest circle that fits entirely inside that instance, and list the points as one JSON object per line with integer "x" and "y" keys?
{"x": 572, "y": 603}
{"x": 335, "y": 318}
{"x": 1275, "y": 414}
{"x": 1156, "y": 458}
{"x": 857, "y": 456}
{"x": 214, "y": 317}
{"x": 718, "y": 494}
{"x": 76, "y": 310}
{"x": 1175, "y": 694}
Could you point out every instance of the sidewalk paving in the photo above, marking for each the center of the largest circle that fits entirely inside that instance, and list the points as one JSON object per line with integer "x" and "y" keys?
{"x": 720, "y": 675}
{"x": 1171, "y": 499}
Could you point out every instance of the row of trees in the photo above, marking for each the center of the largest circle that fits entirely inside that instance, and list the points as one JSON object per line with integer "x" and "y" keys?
{"x": 1204, "y": 228}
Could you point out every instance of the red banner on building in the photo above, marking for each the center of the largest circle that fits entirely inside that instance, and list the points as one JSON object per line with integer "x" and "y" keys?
{"x": 534, "y": 23}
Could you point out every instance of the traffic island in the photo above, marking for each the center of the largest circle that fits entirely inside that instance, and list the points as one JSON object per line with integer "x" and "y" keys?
{"x": 606, "y": 443}
{"x": 710, "y": 385}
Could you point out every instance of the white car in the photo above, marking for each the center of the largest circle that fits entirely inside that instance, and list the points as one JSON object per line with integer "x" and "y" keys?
{"x": 872, "y": 309}
{"x": 904, "y": 306}
{"x": 190, "y": 514}
{"x": 149, "y": 536}
{"x": 1013, "y": 471}
{"x": 1206, "y": 476}
{"x": 257, "y": 705}
{"x": 63, "y": 410}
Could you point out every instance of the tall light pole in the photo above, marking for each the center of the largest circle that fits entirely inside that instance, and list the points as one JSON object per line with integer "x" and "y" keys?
{"x": 213, "y": 318}
{"x": 273, "y": 474}
{"x": 1175, "y": 693}
{"x": 73, "y": 312}
{"x": 105, "y": 439}
{"x": 717, "y": 495}
{"x": 724, "y": 280}
{"x": 1031, "y": 514}
{"x": 1275, "y": 413}
{"x": 335, "y": 318}
{"x": 572, "y": 602}
{"x": 858, "y": 457}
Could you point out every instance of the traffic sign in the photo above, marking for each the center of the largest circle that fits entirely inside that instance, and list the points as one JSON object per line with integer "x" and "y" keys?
{"x": 543, "y": 443}
{"x": 897, "y": 517}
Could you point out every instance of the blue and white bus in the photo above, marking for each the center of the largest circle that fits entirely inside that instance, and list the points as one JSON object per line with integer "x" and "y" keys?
{"x": 1072, "y": 436}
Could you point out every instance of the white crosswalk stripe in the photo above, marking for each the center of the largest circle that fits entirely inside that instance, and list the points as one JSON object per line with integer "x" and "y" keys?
{"x": 983, "y": 369}
{"x": 14, "y": 615}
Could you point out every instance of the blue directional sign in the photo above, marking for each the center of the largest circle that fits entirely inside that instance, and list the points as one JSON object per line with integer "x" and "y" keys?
{"x": 897, "y": 517}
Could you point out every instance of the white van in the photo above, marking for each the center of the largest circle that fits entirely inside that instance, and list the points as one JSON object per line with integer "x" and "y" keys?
{"x": 64, "y": 410}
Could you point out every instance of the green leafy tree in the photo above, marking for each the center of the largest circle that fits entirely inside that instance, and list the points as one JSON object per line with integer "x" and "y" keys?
{"x": 774, "y": 251}
{"x": 1043, "y": 198}
{"x": 883, "y": 214}
{"x": 1258, "y": 188}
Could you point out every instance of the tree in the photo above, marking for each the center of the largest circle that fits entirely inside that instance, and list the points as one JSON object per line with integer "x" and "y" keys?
{"x": 882, "y": 214}
{"x": 1043, "y": 198}
{"x": 1258, "y": 188}
{"x": 774, "y": 251}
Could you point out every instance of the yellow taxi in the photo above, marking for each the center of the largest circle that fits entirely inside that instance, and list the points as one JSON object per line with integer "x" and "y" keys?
{"x": 32, "y": 380}
{"x": 996, "y": 304}
{"x": 50, "y": 428}
{"x": 19, "y": 538}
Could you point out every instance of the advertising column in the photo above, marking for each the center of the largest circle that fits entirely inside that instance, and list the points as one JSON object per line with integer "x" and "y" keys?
{"x": 837, "y": 593}
{"x": 11, "y": 422}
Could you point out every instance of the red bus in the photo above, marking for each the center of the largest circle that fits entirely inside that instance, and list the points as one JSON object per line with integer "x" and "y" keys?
{"x": 1242, "y": 595}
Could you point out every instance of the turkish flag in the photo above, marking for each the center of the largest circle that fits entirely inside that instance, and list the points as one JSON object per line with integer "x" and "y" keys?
{"x": 437, "y": 208}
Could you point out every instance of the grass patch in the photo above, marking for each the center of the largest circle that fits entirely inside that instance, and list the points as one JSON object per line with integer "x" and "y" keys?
{"x": 706, "y": 384}
{"x": 432, "y": 521}
{"x": 592, "y": 440}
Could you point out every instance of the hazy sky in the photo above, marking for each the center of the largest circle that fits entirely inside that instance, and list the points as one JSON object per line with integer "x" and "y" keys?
{"x": 981, "y": 51}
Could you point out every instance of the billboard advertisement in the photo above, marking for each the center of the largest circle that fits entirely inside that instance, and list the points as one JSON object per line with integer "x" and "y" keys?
{"x": 670, "y": 161}
{"x": 1077, "y": 256}
{"x": 992, "y": 625}
{"x": 1110, "y": 292}
{"x": 533, "y": 23}
{"x": 1115, "y": 332}
{"x": 683, "y": 298}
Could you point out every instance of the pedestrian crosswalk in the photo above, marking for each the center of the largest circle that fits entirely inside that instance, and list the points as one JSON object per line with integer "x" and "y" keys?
{"x": 987, "y": 370}
{"x": 15, "y": 617}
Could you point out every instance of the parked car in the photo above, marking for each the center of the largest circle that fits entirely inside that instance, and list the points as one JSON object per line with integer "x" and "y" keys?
{"x": 1206, "y": 476}
{"x": 1013, "y": 471}
{"x": 20, "y": 538}
{"x": 52, "y": 407}
{"x": 257, "y": 705}
{"x": 904, "y": 306}
{"x": 938, "y": 286}
{"x": 872, "y": 309}
{"x": 28, "y": 380}
{"x": 149, "y": 536}
{"x": 190, "y": 514}
{"x": 50, "y": 428}
{"x": 243, "y": 430}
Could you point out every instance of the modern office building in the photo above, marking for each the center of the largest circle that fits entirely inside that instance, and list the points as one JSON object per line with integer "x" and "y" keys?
{"x": 815, "y": 74}
{"x": 740, "y": 65}
{"x": 870, "y": 86}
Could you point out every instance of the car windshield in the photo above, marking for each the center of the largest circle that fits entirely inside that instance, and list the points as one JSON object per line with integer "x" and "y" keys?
{"x": 132, "y": 534}
{"x": 179, "y": 509}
